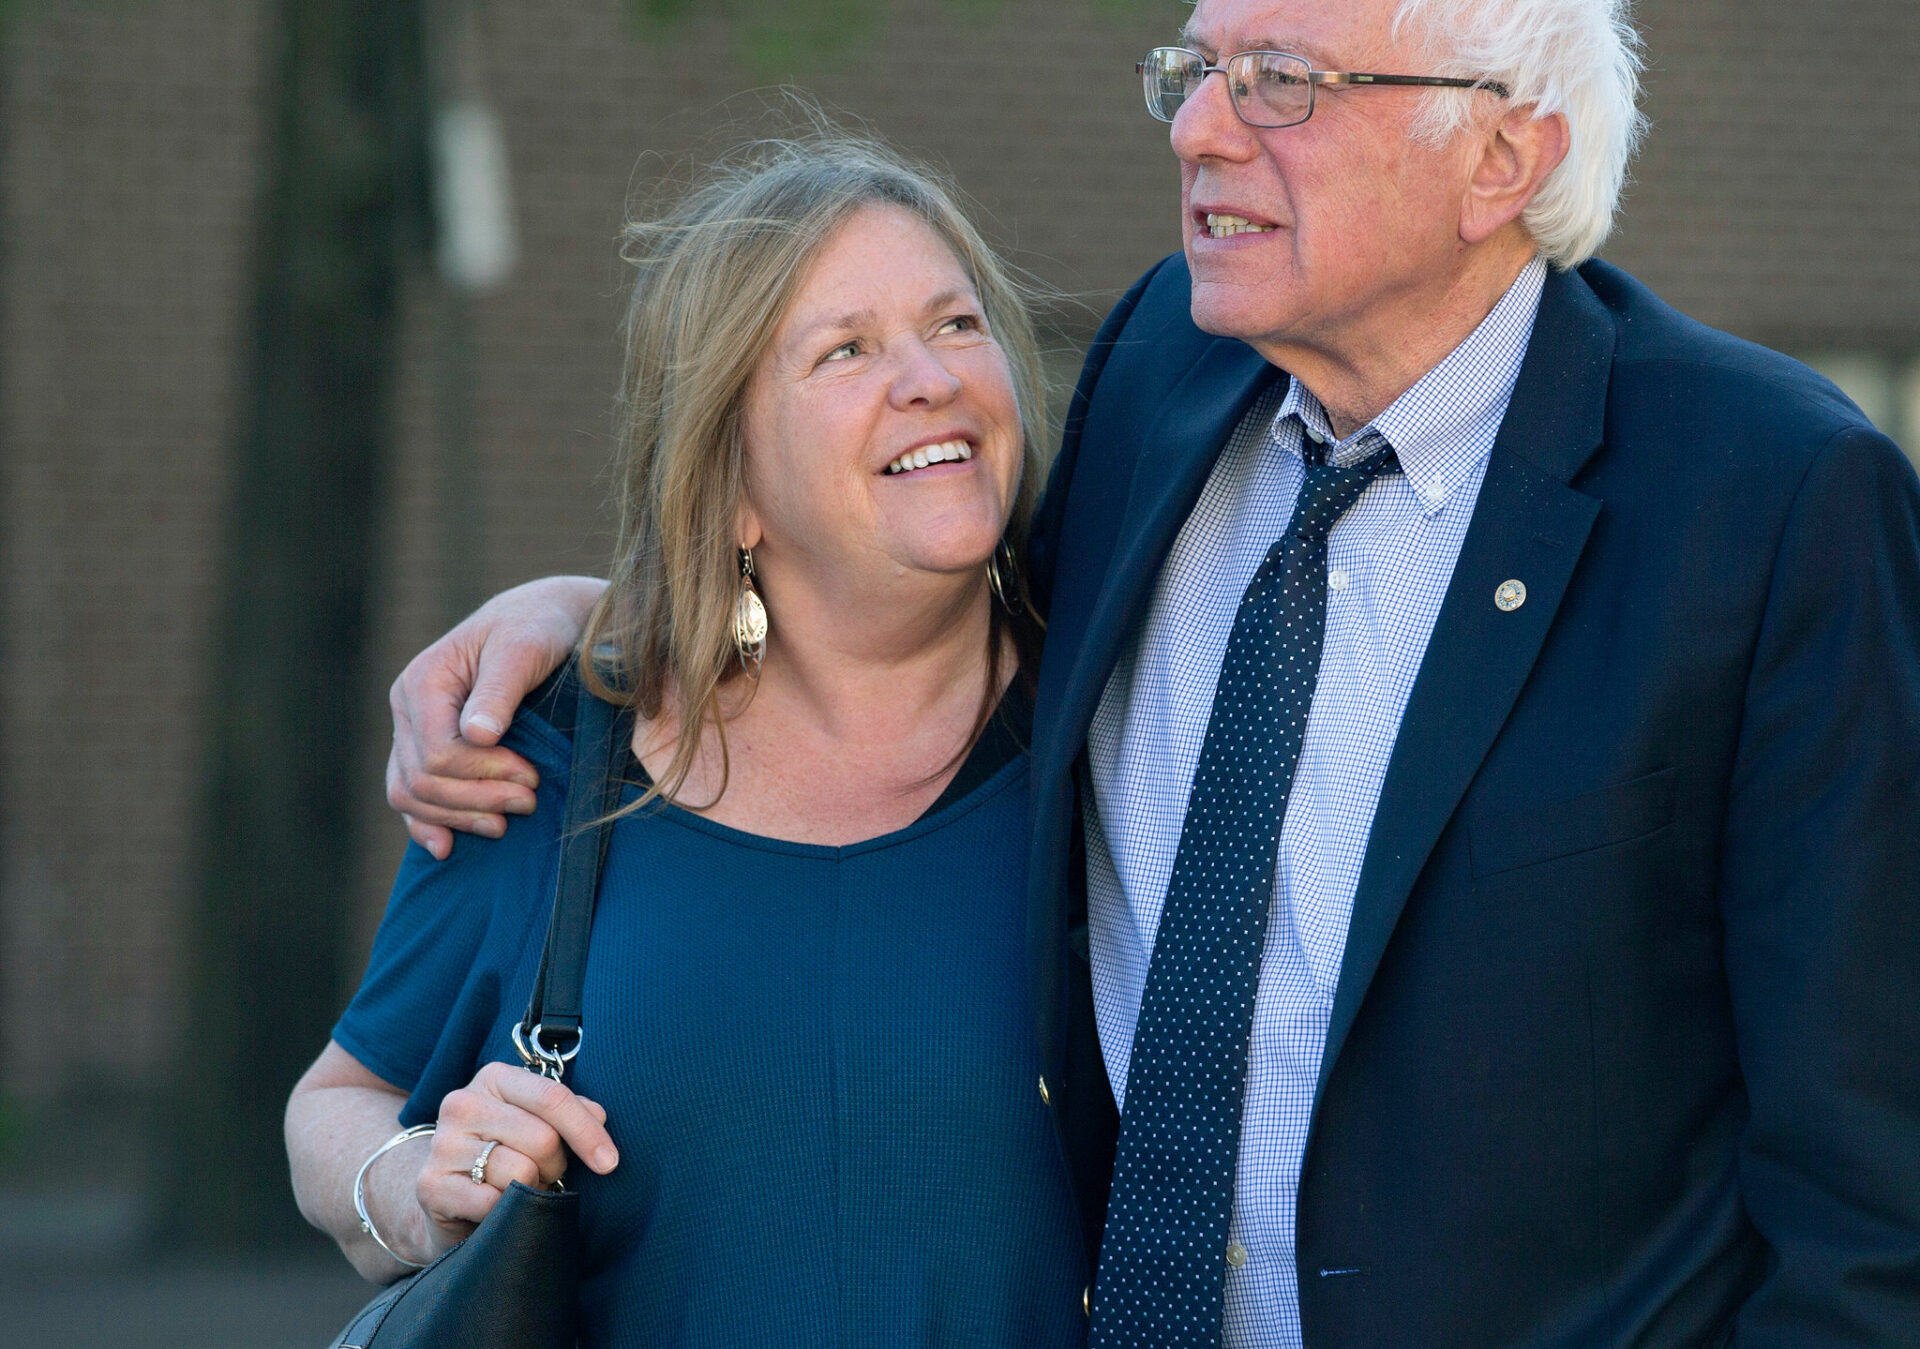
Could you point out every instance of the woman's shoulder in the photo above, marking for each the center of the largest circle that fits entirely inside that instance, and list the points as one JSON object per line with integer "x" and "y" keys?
{"x": 541, "y": 732}
{"x": 457, "y": 930}
{"x": 542, "y": 727}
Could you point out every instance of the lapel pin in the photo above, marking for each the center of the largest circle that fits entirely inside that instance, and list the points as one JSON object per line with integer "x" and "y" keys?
{"x": 1509, "y": 595}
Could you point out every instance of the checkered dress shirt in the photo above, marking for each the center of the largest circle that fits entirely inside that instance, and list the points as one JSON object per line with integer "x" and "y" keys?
{"x": 1390, "y": 559}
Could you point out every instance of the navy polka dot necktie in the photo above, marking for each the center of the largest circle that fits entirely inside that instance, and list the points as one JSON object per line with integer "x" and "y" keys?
{"x": 1163, "y": 1261}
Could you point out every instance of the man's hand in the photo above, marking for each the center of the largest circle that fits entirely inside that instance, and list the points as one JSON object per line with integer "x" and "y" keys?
{"x": 455, "y": 700}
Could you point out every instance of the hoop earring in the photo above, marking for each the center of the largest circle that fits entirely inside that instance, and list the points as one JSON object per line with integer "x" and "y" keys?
{"x": 749, "y": 620}
{"x": 1000, "y": 569}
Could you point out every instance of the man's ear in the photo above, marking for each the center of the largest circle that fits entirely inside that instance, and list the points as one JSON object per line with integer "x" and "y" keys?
{"x": 1515, "y": 156}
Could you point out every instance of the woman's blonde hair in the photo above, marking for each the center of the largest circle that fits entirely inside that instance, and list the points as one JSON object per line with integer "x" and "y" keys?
{"x": 715, "y": 275}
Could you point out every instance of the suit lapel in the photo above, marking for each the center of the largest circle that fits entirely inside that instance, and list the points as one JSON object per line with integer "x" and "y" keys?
{"x": 1170, "y": 464}
{"x": 1527, "y": 525}
{"x": 1176, "y": 455}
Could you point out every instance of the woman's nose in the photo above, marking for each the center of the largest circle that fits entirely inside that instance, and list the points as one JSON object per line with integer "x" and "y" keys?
{"x": 922, "y": 380}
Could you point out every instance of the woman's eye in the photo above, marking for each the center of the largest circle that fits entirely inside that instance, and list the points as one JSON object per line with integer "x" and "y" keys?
{"x": 842, "y": 352}
{"x": 961, "y": 323}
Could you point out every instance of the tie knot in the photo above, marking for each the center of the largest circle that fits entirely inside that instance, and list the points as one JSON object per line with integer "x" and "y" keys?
{"x": 1328, "y": 491}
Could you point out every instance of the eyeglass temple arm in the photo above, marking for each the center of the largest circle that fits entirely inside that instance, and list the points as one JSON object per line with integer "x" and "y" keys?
{"x": 1432, "y": 81}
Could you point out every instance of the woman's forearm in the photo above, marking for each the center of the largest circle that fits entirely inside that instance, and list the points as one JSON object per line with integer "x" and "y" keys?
{"x": 332, "y": 1128}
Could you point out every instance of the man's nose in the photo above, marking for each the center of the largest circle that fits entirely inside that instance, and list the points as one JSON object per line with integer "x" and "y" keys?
{"x": 1207, "y": 127}
{"x": 920, "y": 379}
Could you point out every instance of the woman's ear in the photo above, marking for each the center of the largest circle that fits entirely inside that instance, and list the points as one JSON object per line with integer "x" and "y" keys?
{"x": 746, "y": 524}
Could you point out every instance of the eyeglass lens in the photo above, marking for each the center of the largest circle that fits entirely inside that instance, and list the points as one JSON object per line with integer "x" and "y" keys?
{"x": 1269, "y": 89}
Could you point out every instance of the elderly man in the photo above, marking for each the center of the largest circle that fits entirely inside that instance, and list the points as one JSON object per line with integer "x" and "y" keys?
{"x": 1477, "y": 756}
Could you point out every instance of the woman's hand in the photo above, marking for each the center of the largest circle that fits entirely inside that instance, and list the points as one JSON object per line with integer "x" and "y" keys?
{"x": 531, "y": 1120}
{"x": 455, "y": 700}
{"x": 421, "y": 1195}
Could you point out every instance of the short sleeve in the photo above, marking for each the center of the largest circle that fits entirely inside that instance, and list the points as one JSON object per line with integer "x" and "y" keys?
{"x": 458, "y": 942}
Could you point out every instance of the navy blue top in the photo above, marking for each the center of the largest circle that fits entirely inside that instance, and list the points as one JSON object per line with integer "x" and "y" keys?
{"x": 818, "y": 1064}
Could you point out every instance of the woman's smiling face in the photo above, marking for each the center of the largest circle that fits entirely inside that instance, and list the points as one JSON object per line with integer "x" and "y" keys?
{"x": 881, "y": 431}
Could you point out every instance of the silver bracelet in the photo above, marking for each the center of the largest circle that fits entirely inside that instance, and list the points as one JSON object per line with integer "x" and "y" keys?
{"x": 360, "y": 1189}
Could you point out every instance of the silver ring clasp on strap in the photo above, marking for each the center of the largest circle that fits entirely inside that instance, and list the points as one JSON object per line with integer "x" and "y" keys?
{"x": 539, "y": 1057}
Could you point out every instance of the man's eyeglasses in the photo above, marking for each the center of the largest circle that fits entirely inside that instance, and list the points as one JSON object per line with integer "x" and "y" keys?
{"x": 1269, "y": 89}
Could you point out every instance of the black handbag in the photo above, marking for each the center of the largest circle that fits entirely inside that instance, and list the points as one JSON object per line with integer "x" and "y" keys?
{"x": 514, "y": 1283}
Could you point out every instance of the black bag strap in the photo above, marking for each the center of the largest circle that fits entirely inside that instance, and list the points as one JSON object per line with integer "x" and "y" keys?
{"x": 549, "y": 1035}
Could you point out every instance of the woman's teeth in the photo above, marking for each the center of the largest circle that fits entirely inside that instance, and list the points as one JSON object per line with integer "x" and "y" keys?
{"x": 953, "y": 451}
{"x": 1222, "y": 226}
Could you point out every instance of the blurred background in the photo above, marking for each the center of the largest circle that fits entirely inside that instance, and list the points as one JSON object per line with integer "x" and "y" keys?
{"x": 308, "y": 317}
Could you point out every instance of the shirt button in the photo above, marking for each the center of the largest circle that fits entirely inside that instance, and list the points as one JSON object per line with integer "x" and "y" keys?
{"x": 1236, "y": 1255}
{"x": 1337, "y": 579}
{"x": 1046, "y": 1097}
{"x": 1315, "y": 436}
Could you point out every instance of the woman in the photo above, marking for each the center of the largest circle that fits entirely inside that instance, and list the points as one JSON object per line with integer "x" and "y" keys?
{"x": 806, "y": 1104}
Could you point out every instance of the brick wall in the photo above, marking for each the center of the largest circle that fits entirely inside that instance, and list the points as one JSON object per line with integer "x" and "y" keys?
{"x": 130, "y": 144}
{"x": 1779, "y": 193}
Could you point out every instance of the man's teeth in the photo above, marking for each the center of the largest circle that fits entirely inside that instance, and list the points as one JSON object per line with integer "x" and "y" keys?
{"x": 953, "y": 451}
{"x": 1221, "y": 226}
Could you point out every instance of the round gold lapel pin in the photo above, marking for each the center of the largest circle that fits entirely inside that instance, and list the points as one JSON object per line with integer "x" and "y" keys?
{"x": 1509, "y": 595}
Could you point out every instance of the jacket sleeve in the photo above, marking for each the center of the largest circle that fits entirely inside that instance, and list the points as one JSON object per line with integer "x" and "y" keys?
{"x": 1044, "y": 535}
{"x": 1820, "y": 887}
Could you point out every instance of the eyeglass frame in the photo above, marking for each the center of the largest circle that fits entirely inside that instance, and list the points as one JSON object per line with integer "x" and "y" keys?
{"x": 1312, "y": 78}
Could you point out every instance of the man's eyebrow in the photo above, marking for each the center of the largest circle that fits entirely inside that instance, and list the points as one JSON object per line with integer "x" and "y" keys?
{"x": 1191, "y": 39}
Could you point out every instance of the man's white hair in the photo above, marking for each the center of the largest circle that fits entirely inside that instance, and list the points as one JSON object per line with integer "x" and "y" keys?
{"x": 1579, "y": 58}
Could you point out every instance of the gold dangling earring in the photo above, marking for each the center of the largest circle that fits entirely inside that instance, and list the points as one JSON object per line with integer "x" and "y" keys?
{"x": 1008, "y": 595}
{"x": 749, "y": 620}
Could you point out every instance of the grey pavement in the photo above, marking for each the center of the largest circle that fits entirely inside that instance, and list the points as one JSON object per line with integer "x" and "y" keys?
{"x": 276, "y": 1302}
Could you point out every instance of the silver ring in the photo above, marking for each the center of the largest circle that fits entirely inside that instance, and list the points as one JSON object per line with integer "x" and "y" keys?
{"x": 478, "y": 1171}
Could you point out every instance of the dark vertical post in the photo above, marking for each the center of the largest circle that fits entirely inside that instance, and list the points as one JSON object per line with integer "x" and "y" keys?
{"x": 341, "y": 208}
{"x": 461, "y": 538}
{"x": 8, "y": 1121}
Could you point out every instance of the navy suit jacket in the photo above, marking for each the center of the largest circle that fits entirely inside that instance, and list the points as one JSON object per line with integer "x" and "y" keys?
{"x": 1626, "y": 1043}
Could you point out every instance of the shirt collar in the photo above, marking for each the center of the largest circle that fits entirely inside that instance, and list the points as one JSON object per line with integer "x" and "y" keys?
{"x": 1443, "y": 426}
